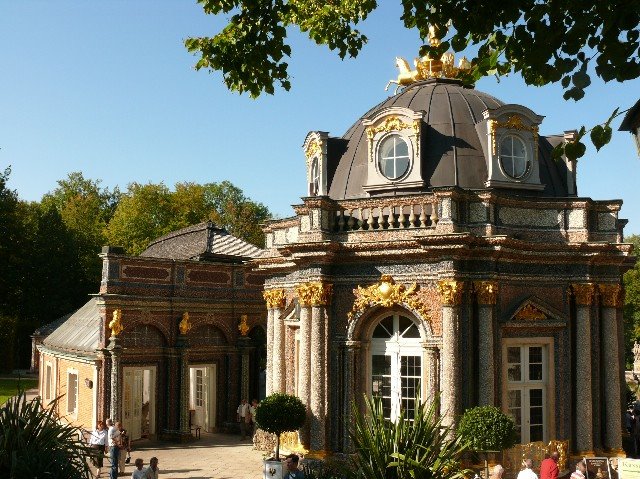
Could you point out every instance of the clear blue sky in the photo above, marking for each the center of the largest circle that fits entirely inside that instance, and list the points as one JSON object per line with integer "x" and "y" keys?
{"x": 107, "y": 88}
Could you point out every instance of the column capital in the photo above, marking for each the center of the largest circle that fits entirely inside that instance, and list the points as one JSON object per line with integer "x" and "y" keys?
{"x": 583, "y": 292}
{"x": 611, "y": 295}
{"x": 353, "y": 344}
{"x": 486, "y": 292}
{"x": 450, "y": 292}
{"x": 314, "y": 293}
{"x": 275, "y": 298}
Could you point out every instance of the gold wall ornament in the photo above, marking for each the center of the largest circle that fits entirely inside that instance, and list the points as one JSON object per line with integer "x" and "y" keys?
{"x": 314, "y": 149}
{"x": 387, "y": 293}
{"x": 116, "y": 323}
{"x": 583, "y": 292}
{"x": 514, "y": 122}
{"x": 611, "y": 295}
{"x": 314, "y": 293}
{"x": 486, "y": 291}
{"x": 243, "y": 327}
{"x": 393, "y": 123}
{"x": 530, "y": 313}
{"x": 275, "y": 298}
{"x": 450, "y": 292}
{"x": 185, "y": 324}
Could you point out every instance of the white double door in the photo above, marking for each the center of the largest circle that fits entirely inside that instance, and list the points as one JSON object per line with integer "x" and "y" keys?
{"x": 202, "y": 396}
{"x": 138, "y": 401}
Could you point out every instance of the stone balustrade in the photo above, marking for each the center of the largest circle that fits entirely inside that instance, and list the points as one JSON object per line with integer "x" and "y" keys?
{"x": 419, "y": 213}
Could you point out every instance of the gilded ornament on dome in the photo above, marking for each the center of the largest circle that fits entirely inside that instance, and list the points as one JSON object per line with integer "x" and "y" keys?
{"x": 275, "y": 298}
{"x": 116, "y": 323}
{"x": 530, "y": 313}
{"x": 243, "y": 327}
{"x": 583, "y": 293}
{"x": 450, "y": 292}
{"x": 314, "y": 293}
{"x": 611, "y": 295}
{"x": 185, "y": 324}
{"x": 387, "y": 293}
{"x": 486, "y": 291}
{"x": 393, "y": 123}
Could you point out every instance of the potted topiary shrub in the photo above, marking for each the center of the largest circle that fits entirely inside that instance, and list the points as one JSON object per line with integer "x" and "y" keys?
{"x": 487, "y": 429}
{"x": 276, "y": 414}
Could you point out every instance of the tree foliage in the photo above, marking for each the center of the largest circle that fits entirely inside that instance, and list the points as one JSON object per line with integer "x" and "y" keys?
{"x": 631, "y": 281}
{"x": 280, "y": 413}
{"x": 487, "y": 429}
{"x": 419, "y": 448}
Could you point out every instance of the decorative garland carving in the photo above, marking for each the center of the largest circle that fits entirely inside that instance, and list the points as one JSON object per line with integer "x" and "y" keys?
{"x": 530, "y": 313}
{"x": 185, "y": 324}
{"x": 583, "y": 292}
{"x": 243, "y": 327}
{"x": 611, "y": 295}
{"x": 116, "y": 323}
{"x": 315, "y": 293}
{"x": 486, "y": 291}
{"x": 514, "y": 122}
{"x": 450, "y": 292}
{"x": 275, "y": 298}
{"x": 392, "y": 123}
{"x": 387, "y": 293}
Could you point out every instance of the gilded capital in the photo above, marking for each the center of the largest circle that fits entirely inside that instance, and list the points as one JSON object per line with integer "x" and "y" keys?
{"x": 450, "y": 292}
{"x": 486, "y": 291}
{"x": 275, "y": 298}
{"x": 315, "y": 293}
{"x": 116, "y": 323}
{"x": 583, "y": 292}
{"x": 611, "y": 295}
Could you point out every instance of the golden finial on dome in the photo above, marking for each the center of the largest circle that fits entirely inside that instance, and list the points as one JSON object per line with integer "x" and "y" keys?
{"x": 427, "y": 67}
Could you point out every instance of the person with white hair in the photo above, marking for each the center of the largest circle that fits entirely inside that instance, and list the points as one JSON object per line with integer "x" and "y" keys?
{"x": 498, "y": 472}
{"x": 527, "y": 472}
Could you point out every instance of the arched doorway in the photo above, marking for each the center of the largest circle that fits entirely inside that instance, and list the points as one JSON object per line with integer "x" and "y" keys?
{"x": 396, "y": 364}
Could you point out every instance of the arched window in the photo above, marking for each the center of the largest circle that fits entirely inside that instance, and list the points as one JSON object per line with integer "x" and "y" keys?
{"x": 314, "y": 185}
{"x": 513, "y": 157}
{"x": 396, "y": 365}
{"x": 393, "y": 157}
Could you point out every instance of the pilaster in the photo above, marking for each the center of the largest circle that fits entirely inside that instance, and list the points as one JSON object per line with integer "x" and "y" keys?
{"x": 275, "y": 299}
{"x": 486, "y": 295}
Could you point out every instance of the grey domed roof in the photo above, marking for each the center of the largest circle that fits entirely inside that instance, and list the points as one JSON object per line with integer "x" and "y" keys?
{"x": 451, "y": 153}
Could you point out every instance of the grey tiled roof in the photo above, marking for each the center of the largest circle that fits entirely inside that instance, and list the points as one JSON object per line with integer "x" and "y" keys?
{"x": 200, "y": 242}
{"x": 47, "y": 329}
{"x": 80, "y": 332}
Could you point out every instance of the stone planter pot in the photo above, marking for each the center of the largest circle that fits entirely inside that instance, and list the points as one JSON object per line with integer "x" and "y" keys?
{"x": 272, "y": 469}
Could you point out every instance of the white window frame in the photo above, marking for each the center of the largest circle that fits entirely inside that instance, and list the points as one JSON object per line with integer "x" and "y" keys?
{"x": 48, "y": 381}
{"x": 72, "y": 412}
{"x": 527, "y": 156}
{"x": 378, "y": 158}
{"x": 547, "y": 383}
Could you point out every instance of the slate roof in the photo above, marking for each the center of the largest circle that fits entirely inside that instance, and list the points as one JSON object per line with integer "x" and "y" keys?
{"x": 452, "y": 154}
{"x": 78, "y": 332}
{"x": 204, "y": 241}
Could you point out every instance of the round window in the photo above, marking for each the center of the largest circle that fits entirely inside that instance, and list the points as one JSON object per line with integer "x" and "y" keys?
{"x": 393, "y": 157}
{"x": 513, "y": 157}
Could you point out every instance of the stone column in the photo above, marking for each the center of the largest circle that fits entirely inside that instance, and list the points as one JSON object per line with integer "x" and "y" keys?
{"x": 244, "y": 348}
{"x": 115, "y": 399}
{"x": 611, "y": 297}
{"x": 304, "y": 365}
{"x": 351, "y": 354}
{"x": 269, "y": 378}
{"x": 318, "y": 295}
{"x": 433, "y": 370}
{"x": 182, "y": 345}
{"x": 450, "y": 297}
{"x": 583, "y": 294}
{"x": 275, "y": 299}
{"x": 486, "y": 294}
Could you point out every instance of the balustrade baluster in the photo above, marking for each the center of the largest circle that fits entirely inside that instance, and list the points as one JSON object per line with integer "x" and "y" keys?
{"x": 412, "y": 218}
{"x": 434, "y": 213}
{"x": 351, "y": 220}
{"x": 401, "y": 218}
{"x": 370, "y": 220}
{"x": 423, "y": 217}
{"x": 341, "y": 220}
{"x": 382, "y": 222}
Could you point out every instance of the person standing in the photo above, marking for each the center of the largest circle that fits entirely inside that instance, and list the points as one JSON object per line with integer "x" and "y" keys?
{"x": 98, "y": 442}
{"x": 580, "y": 472}
{"x": 244, "y": 416}
{"x": 125, "y": 447}
{"x": 549, "y": 467}
{"x": 113, "y": 438}
{"x": 138, "y": 472}
{"x": 252, "y": 412}
{"x": 291, "y": 463}
{"x": 527, "y": 472}
{"x": 152, "y": 471}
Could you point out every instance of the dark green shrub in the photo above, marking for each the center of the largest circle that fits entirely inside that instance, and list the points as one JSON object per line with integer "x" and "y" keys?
{"x": 34, "y": 444}
{"x": 280, "y": 413}
{"x": 486, "y": 428}
{"x": 422, "y": 448}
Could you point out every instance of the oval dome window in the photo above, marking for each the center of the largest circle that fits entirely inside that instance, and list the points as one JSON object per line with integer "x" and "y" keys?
{"x": 393, "y": 157}
{"x": 513, "y": 157}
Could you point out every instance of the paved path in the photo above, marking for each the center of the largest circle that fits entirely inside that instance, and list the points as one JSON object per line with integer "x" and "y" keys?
{"x": 214, "y": 456}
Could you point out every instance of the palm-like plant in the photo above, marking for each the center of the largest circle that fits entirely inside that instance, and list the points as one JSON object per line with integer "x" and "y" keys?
{"x": 34, "y": 444}
{"x": 421, "y": 448}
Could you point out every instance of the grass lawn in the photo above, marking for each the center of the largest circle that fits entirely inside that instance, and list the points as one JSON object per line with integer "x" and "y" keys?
{"x": 9, "y": 386}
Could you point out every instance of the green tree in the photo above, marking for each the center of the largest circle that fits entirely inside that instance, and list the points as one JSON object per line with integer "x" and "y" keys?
{"x": 631, "y": 281}
{"x": 545, "y": 41}
{"x": 280, "y": 413}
